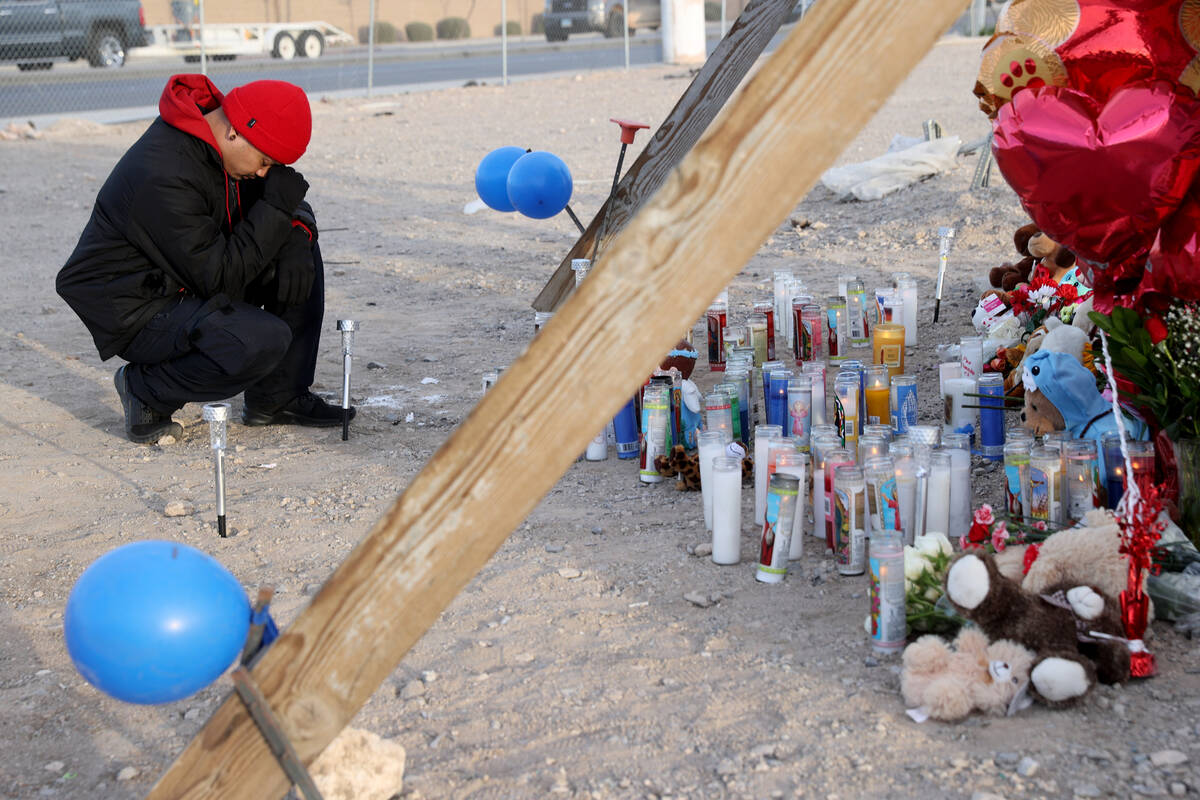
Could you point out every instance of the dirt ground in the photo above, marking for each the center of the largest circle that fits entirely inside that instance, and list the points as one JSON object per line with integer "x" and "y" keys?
{"x": 572, "y": 665}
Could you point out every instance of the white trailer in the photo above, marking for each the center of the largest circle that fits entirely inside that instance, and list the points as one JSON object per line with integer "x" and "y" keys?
{"x": 226, "y": 41}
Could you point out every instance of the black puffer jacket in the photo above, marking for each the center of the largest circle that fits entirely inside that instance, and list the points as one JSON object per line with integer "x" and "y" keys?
{"x": 168, "y": 219}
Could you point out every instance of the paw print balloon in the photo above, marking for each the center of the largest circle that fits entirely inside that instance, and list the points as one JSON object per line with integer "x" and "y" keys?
{"x": 1097, "y": 128}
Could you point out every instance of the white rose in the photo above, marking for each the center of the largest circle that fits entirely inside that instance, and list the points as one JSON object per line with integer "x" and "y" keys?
{"x": 914, "y": 563}
{"x": 932, "y": 594}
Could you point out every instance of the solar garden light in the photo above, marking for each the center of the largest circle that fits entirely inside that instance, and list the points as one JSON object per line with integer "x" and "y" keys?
{"x": 217, "y": 417}
{"x": 347, "y": 327}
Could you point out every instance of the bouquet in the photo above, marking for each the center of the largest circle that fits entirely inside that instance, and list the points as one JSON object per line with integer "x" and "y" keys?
{"x": 1035, "y": 301}
{"x": 925, "y": 564}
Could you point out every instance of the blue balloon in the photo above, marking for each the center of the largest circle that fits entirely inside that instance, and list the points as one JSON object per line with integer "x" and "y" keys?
{"x": 539, "y": 184}
{"x": 491, "y": 177}
{"x": 152, "y": 622}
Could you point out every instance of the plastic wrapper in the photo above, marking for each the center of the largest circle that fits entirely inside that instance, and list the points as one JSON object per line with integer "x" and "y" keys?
{"x": 871, "y": 180}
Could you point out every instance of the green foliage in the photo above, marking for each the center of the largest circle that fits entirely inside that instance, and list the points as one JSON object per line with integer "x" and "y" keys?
{"x": 385, "y": 33}
{"x": 418, "y": 32}
{"x": 537, "y": 25}
{"x": 712, "y": 11}
{"x": 453, "y": 28}
{"x": 514, "y": 28}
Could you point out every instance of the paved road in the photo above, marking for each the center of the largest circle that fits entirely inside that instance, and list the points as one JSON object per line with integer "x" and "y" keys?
{"x": 75, "y": 89}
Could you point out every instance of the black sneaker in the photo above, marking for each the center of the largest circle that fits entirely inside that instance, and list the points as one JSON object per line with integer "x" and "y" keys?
{"x": 307, "y": 409}
{"x": 143, "y": 425}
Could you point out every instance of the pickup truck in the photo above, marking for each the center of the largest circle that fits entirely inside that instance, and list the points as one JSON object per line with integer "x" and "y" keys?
{"x": 35, "y": 33}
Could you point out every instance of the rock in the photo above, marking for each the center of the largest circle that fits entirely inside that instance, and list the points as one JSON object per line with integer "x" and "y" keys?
{"x": 428, "y": 676}
{"x": 597, "y": 531}
{"x": 1006, "y": 758}
{"x": 870, "y": 661}
{"x": 1168, "y": 758}
{"x": 166, "y": 441}
{"x": 1086, "y": 790}
{"x": 570, "y": 573}
{"x": 375, "y": 365}
{"x": 1027, "y": 767}
{"x": 698, "y": 599}
{"x": 727, "y": 767}
{"x": 128, "y": 773}
{"x": 554, "y": 548}
{"x": 412, "y": 689}
{"x": 178, "y": 508}
{"x": 191, "y": 713}
{"x": 55, "y": 766}
{"x": 312, "y": 588}
{"x": 1178, "y": 789}
{"x": 704, "y": 549}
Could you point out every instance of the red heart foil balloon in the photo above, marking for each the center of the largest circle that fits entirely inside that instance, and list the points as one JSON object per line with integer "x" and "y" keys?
{"x": 1100, "y": 179}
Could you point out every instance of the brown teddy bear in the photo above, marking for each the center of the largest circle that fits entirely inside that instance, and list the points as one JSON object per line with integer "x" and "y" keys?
{"x": 1034, "y": 247}
{"x": 684, "y": 466}
{"x": 1074, "y": 631}
{"x": 948, "y": 682}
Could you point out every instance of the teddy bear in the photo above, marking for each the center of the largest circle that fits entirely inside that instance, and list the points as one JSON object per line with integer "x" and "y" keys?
{"x": 684, "y": 466}
{"x": 1074, "y": 631}
{"x": 948, "y": 682}
{"x": 1008, "y": 276}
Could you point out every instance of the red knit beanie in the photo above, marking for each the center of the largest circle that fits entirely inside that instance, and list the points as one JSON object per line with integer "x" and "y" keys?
{"x": 273, "y": 115}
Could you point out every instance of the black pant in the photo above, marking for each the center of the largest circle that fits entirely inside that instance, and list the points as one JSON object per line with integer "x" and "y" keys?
{"x": 204, "y": 350}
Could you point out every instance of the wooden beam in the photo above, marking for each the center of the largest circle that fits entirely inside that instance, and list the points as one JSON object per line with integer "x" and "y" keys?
{"x": 708, "y": 219}
{"x": 721, "y": 74}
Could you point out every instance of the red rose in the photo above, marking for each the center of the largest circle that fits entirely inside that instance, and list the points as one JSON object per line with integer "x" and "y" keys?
{"x": 1156, "y": 328}
{"x": 977, "y": 534}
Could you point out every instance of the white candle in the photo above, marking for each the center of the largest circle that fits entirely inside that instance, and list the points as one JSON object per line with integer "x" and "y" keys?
{"x": 957, "y": 445}
{"x": 711, "y": 445}
{"x": 971, "y": 356}
{"x": 946, "y": 371}
{"x": 763, "y": 434}
{"x": 796, "y": 465}
{"x": 908, "y": 293}
{"x": 727, "y": 510}
{"x": 817, "y": 370}
{"x": 937, "y": 509}
{"x": 906, "y": 494}
{"x": 957, "y": 415}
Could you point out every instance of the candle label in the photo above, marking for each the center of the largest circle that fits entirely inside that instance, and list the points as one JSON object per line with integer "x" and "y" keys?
{"x": 904, "y": 407}
{"x": 777, "y": 528}
{"x": 798, "y": 413}
{"x": 1014, "y": 473}
{"x": 888, "y": 624}
{"x": 716, "y": 339}
{"x": 1044, "y": 503}
{"x": 1084, "y": 492}
{"x": 849, "y": 535}
{"x": 890, "y": 355}
{"x": 655, "y": 437}
{"x": 883, "y": 505}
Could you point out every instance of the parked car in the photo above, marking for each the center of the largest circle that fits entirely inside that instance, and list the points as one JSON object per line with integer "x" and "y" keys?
{"x": 35, "y": 33}
{"x": 564, "y": 17}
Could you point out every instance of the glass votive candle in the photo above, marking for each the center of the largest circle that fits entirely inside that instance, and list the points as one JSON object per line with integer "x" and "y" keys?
{"x": 904, "y": 403}
{"x": 756, "y": 332}
{"x": 887, "y": 347}
{"x": 767, "y": 309}
{"x": 799, "y": 410}
{"x": 1045, "y": 485}
{"x": 711, "y": 444}
{"x": 1114, "y": 469}
{"x": 871, "y": 446}
{"x": 727, "y": 510}
{"x": 1083, "y": 478}
{"x": 795, "y": 464}
{"x": 1141, "y": 464}
{"x": 763, "y": 436}
{"x": 879, "y": 429}
{"x": 879, "y": 395}
{"x": 718, "y": 413}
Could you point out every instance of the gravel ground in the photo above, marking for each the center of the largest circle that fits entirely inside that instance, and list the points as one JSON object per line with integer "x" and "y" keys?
{"x": 573, "y": 665}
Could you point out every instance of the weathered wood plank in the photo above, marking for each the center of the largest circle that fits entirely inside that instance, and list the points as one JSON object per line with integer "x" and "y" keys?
{"x": 696, "y": 108}
{"x": 710, "y": 216}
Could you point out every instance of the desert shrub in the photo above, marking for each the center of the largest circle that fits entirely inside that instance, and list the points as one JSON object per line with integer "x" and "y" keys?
{"x": 537, "y": 25}
{"x": 418, "y": 32}
{"x": 712, "y": 11}
{"x": 385, "y": 33}
{"x": 514, "y": 28}
{"x": 453, "y": 28}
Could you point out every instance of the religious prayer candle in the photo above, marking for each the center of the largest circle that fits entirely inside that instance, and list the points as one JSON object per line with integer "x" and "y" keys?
{"x": 908, "y": 293}
{"x": 958, "y": 446}
{"x": 888, "y": 614}
{"x": 796, "y": 465}
{"x": 777, "y": 446}
{"x": 718, "y": 413}
{"x": 888, "y": 347}
{"x": 1045, "y": 498}
{"x": 812, "y": 326}
{"x": 846, "y": 393}
{"x": 879, "y": 429}
{"x": 1083, "y": 478}
{"x": 816, "y": 371}
{"x": 882, "y": 293}
{"x": 899, "y": 276}
{"x": 777, "y": 399}
{"x": 991, "y": 416}
{"x": 781, "y": 282}
{"x": 1016, "y": 478}
{"x": 871, "y": 446}
{"x": 850, "y": 533}
{"x": 906, "y": 491}
{"x": 756, "y": 331}
{"x": 834, "y": 460}
{"x": 735, "y": 336}
{"x": 747, "y": 400}
{"x": 970, "y": 350}
{"x": 837, "y": 329}
{"x": 883, "y": 509}
{"x": 1057, "y": 441}
{"x": 1114, "y": 469}
{"x": 957, "y": 417}
{"x": 822, "y": 444}
{"x": 801, "y": 350}
{"x": 711, "y": 445}
{"x": 765, "y": 308}
{"x": 1141, "y": 464}
{"x": 767, "y": 369}
{"x": 763, "y": 434}
{"x": 924, "y": 439}
{"x": 656, "y": 423}
{"x": 731, "y": 392}
{"x": 799, "y": 410}
{"x": 879, "y": 395}
{"x": 843, "y": 283}
{"x": 904, "y": 403}
{"x": 797, "y": 291}
{"x": 727, "y": 510}
{"x": 856, "y": 306}
{"x": 715, "y": 320}
{"x": 776, "y": 541}
{"x": 937, "y": 509}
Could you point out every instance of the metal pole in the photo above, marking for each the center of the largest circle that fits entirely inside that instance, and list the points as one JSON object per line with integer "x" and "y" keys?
{"x": 203, "y": 47}
{"x": 504, "y": 42}
{"x": 371, "y": 50}
{"x": 625, "y": 26}
{"x": 724, "y": 30}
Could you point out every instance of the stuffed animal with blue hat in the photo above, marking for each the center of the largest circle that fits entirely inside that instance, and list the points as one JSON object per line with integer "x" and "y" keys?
{"x": 1061, "y": 394}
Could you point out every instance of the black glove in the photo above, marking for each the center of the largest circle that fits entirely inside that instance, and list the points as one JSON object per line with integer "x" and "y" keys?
{"x": 294, "y": 268}
{"x": 284, "y": 188}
